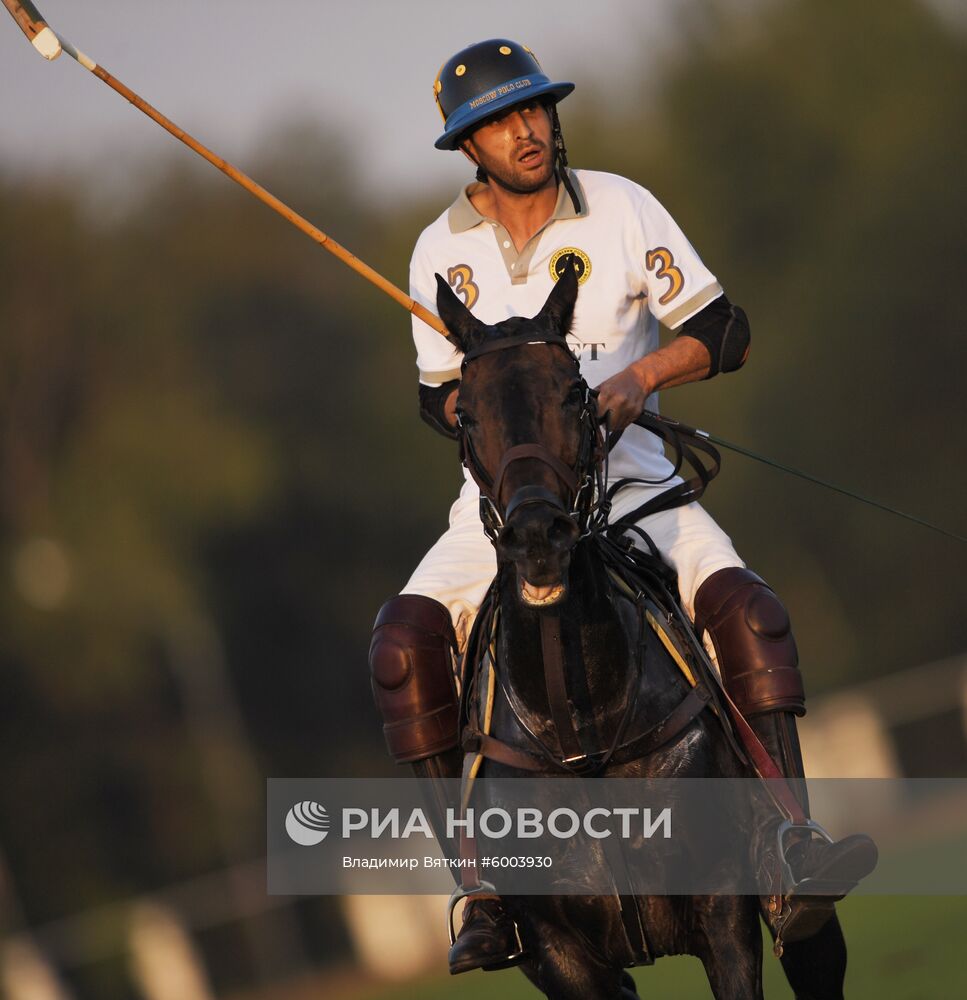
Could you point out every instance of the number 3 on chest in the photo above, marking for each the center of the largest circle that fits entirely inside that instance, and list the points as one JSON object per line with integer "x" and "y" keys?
{"x": 461, "y": 281}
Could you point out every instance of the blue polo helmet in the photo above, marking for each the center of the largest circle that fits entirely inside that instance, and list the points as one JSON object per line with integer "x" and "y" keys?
{"x": 486, "y": 78}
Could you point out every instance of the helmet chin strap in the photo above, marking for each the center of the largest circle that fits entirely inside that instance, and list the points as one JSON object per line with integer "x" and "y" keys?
{"x": 560, "y": 159}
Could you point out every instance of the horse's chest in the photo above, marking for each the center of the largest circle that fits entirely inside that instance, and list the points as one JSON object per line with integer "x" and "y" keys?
{"x": 594, "y": 661}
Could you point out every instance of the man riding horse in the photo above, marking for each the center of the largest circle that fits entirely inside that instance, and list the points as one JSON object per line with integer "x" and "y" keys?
{"x": 501, "y": 245}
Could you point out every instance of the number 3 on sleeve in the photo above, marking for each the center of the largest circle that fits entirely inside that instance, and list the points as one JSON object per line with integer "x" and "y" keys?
{"x": 661, "y": 261}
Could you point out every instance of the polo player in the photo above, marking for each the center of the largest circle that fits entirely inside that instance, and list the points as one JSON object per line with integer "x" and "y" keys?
{"x": 501, "y": 246}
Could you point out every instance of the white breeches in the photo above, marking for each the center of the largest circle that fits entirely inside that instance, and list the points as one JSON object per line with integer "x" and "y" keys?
{"x": 460, "y": 566}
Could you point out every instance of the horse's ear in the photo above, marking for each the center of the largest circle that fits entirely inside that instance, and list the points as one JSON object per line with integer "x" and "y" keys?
{"x": 558, "y": 310}
{"x": 463, "y": 328}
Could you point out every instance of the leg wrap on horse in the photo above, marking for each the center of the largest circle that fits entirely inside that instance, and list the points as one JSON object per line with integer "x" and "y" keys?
{"x": 411, "y": 660}
{"x": 750, "y": 632}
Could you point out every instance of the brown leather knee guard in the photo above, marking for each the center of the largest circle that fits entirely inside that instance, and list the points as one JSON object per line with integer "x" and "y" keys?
{"x": 752, "y": 637}
{"x": 411, "y": 661}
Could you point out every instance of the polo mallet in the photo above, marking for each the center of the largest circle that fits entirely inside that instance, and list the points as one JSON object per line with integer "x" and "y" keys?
{"x": 50, "y": 45}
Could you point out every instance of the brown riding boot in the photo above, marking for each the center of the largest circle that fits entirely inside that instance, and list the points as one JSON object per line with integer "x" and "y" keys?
{"x": 412, "y": 659}
{"x": 752, "y": 637}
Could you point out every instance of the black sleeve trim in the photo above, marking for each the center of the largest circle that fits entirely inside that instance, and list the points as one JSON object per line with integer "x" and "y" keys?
{"x": 724, "y": 330}
{"x": 432, "y": 401}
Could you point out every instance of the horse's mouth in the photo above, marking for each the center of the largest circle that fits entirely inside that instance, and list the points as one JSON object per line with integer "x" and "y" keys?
{"x": 541, "y": 596}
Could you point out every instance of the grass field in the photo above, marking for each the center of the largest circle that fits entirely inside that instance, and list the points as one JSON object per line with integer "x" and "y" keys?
{"x": 900, "y": 948}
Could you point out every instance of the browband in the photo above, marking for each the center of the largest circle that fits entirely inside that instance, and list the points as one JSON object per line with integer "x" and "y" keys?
{"x": 517, "y": 340}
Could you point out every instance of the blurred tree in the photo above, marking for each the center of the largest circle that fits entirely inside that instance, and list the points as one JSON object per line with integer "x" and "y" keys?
{"x": 118, "y": 454}
{"x": 189, "y": 394}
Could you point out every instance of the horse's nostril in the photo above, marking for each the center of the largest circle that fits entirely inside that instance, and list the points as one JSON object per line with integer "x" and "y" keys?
{"x": 539, "y": 538}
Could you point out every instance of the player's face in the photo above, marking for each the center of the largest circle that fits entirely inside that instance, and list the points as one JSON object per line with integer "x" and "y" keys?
{"x": 515, "y": 147}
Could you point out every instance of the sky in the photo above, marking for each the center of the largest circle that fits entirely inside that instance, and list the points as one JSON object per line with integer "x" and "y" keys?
{"x": 232, "y": 75}
{"x": 229, "y": 73}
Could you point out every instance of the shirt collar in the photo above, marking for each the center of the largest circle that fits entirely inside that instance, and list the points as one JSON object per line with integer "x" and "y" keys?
{"x": 462, "y": 216}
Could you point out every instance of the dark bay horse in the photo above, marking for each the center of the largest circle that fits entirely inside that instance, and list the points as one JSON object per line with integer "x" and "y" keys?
{"x": 531, "y": 439}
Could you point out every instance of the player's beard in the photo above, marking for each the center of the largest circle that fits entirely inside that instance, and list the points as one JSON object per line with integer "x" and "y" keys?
{"x": 515, "y": 178}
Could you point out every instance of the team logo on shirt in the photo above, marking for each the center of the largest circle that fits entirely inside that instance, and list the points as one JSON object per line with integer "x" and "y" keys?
{"x": 582, "y": 263}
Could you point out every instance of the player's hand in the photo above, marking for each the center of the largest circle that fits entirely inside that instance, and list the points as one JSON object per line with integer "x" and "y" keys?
{"x": 624, "y": 396}
{"x": 450, "y": 409}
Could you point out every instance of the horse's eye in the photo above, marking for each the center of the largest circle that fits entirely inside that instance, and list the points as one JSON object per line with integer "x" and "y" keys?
{"x": 575, "y": 396}
{"x": 465, "y": 420}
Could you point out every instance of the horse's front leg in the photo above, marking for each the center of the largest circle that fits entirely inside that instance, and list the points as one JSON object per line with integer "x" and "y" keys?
{"x": 560, "y": 963}
{"x": 731, "y": 949}
{"x": 816, "y": 967}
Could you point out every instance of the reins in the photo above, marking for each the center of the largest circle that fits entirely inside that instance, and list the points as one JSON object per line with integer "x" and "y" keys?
{"x": 660, "y": 424}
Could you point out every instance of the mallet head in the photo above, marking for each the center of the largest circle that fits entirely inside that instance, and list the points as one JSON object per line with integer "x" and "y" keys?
{"x": 34, "y": 26}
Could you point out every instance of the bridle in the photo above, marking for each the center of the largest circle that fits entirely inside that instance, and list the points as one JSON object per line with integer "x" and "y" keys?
{"x": 584, "y": 480}
{"x": 587, "y": 505}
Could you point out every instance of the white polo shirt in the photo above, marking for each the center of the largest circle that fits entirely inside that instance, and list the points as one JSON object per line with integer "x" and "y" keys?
{"x": 636, "y": 268}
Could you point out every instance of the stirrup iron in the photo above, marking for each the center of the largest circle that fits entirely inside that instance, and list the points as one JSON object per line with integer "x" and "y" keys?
{"x": 484, "y": 888}
{"x": 790, "y": 885}
{"x": 489, "y": 890}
